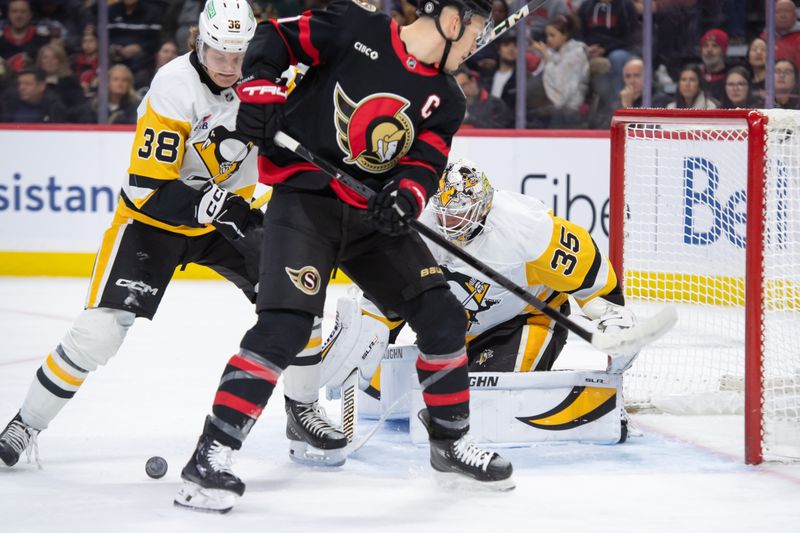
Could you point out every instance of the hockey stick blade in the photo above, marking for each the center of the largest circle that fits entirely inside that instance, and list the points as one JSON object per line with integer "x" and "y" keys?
{"x": 635, "y": 338}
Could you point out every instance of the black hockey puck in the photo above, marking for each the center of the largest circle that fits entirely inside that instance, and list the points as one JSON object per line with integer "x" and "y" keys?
{"x": 156, "y": 467}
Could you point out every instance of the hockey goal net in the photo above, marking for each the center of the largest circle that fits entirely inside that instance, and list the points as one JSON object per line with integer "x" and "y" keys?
{"x": 705, "y": 215}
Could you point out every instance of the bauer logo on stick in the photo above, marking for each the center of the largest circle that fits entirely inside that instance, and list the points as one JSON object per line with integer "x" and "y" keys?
{"x": 307, "y": 279}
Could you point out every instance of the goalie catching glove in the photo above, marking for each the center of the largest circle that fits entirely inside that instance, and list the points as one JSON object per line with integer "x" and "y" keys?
{"x": 261, "y": 110}
{"x": 392, "y": 206}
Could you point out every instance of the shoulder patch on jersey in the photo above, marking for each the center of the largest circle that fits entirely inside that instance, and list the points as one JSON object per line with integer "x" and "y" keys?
{"x": 363, "y": 4}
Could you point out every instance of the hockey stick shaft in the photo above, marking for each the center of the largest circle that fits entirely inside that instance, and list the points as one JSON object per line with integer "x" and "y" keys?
{"x": 630, "y": 340}
{"x": 511, "y": 21}
{"x": 287, "y": 142}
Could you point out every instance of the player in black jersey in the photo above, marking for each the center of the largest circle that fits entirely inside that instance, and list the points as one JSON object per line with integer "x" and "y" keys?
{"x": 377, "y": 100}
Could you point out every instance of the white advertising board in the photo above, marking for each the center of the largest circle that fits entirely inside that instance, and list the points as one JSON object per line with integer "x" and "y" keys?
{"x": 687, "y": 205}
{"x": 59, "y": 187}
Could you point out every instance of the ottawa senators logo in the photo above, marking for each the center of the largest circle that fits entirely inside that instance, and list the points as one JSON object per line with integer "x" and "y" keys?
{"x": 222, "y": 152}
{"x": 471, "y": 292}
{"x": 307, "y": 279}
{"x": 375, "y": 132}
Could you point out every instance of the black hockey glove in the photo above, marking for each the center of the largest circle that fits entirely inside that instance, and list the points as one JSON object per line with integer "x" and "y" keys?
{"x": 398, "y": 201}
{"x": 229, "y": 213}
{"x": 260, "y": 111}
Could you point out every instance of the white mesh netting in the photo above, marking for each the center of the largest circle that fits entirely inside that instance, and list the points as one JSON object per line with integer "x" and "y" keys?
{"x": 684, "y": 243}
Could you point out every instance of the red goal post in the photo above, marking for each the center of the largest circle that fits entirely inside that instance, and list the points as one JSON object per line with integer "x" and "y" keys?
{"x": 705, "y": 215}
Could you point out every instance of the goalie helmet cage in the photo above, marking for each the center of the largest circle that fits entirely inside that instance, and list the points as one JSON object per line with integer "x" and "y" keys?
{"x": 705, "y": 215}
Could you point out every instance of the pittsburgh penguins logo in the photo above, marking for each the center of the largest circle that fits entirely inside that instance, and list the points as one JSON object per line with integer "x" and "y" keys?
{"x": 222, "y": 152}
{"x": 375, "y": 132}
{"x": 307, "y": 279}
{"x": 471, "y": 292}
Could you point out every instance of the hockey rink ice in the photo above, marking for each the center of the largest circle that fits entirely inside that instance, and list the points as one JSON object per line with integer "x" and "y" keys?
{"x": 151, "y": 400}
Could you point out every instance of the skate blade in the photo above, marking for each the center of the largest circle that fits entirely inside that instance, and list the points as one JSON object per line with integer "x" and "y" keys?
{"x": 303, "y": 453}
{"x": 193, "y": 496}
{"x": 455, "y": 481}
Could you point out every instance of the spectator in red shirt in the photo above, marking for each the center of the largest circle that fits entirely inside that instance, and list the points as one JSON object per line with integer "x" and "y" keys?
{"x": 84, "y": 63}
{"x": 787, "y": 28}
{"x": 20, "y": 36}
{"x": 713, "y": 50}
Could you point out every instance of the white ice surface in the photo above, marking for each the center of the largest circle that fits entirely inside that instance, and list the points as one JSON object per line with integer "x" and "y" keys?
{"x": 685, "y": 474}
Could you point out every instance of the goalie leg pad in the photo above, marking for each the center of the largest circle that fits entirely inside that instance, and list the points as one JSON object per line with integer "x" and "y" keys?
{"x": 94, "y": 338}
{"x": 515, "y": 408}
{"x": 301, "y": 379}
{"x": 358, "y": 340}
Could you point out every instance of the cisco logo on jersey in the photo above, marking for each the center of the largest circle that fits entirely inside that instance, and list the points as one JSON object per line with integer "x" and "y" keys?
{"x": 366, "y": 50}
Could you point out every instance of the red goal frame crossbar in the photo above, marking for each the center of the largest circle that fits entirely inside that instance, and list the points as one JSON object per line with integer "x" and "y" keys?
{"x": 755, "y": 123}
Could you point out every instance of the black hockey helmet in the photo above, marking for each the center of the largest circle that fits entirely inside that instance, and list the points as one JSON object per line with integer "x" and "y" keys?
{"x": 466, "y": 7}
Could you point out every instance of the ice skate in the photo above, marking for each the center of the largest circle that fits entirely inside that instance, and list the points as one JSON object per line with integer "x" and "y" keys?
{"x": 208, "y": 482}
{"x": 313, "y": 438}
{"x": 16, "y": 438}
{"x": 463, "y": 458}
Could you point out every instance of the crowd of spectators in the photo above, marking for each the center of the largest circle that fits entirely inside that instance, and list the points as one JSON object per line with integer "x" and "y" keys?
{"x": 582, "y": 57}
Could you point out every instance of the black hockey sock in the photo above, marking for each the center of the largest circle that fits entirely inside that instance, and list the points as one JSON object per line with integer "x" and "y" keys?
{"x": 246, "y": 385}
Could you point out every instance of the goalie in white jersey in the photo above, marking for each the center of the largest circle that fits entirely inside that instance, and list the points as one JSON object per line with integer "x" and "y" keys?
{"x": 518, "y": 236}
{"x": 185, "y": 199}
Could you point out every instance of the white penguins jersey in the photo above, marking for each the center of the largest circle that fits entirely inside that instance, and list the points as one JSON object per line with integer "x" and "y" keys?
{"x": 185, "y": 131}
{"x": 522, "y": 240}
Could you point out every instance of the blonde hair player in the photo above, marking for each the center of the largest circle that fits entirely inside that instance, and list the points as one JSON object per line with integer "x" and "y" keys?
{"x": 185, "y": 199}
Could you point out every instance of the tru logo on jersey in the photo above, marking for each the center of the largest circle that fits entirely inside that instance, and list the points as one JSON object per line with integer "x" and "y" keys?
{"x": 263, "y": 90}
{"x": 374, "y": 133}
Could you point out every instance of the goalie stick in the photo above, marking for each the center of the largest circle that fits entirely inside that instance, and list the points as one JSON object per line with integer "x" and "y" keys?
{"x": 616, "y": 342}
{"x": 354, "y": 445}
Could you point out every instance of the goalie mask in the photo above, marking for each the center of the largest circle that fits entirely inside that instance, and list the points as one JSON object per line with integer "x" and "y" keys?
{"x": 463, "y": 201}
{"x": 225, "y": 26}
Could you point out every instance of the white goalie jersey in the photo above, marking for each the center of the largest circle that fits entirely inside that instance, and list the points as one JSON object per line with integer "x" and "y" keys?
{"x": 185, "y": 131}
{"x": 522, "y": 240}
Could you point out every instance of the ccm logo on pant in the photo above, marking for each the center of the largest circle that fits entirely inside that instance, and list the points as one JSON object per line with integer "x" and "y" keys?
{"x": 137, "y": 286}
